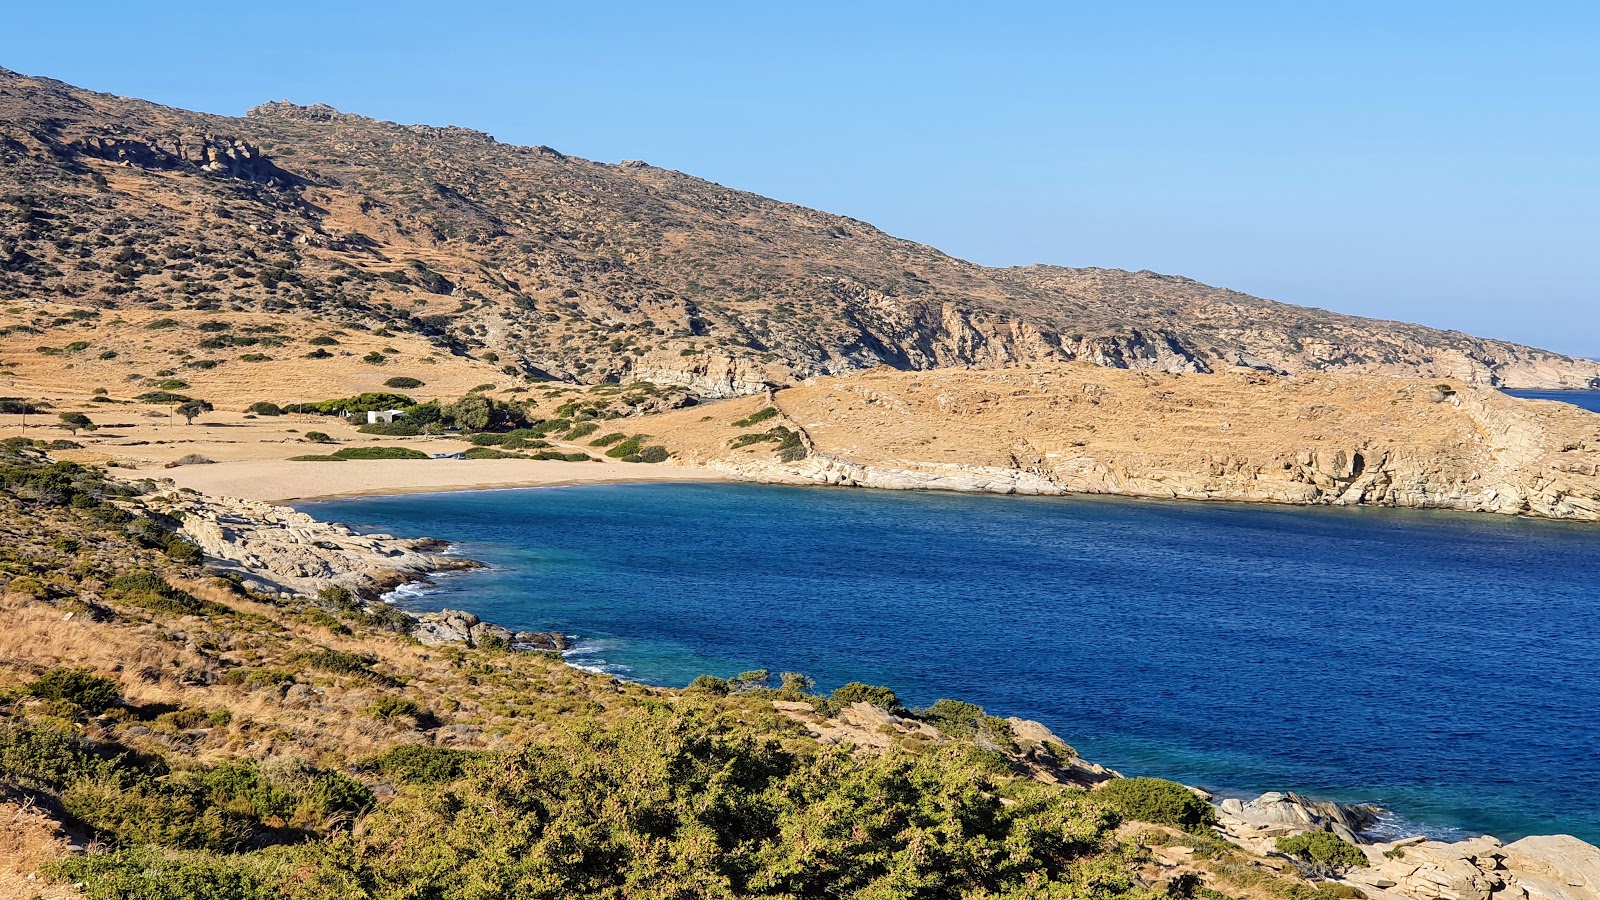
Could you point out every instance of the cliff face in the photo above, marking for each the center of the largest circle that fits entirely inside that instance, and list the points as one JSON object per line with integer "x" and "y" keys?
{"x": 1325, "y": 439}
{"x": 561, "y": 266}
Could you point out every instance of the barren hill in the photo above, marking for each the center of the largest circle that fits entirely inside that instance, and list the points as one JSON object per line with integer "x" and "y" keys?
{"x": 526, "y": 262}
{"x": 1318, "y": 439}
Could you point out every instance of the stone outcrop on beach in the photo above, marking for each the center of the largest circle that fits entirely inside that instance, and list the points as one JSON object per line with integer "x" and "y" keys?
{"x": 1241, "y": 436}
{"x": 276, "y": 549}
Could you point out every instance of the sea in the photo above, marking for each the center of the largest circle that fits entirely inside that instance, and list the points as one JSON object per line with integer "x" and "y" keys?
{"x": 1444, "y": 666}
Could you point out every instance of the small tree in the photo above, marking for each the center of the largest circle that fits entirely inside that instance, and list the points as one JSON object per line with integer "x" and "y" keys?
{"x": 191, "y": 409}
{"x": 76, "y": 420}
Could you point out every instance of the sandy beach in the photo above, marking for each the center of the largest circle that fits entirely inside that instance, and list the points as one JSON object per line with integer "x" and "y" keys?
{"x": 283, "y": 481}
{"x": 251, "y": 458}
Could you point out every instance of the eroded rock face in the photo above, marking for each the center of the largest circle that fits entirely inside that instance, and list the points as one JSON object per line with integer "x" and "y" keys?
{"x": 453, "y": 626}
{"x": 1238, "y": 436}
{"x": 1276, "y": 814}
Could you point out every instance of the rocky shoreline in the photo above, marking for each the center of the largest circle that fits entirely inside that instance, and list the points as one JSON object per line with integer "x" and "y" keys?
{"x": 281, "y": 551}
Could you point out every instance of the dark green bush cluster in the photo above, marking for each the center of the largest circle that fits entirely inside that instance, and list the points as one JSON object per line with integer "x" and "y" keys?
{"x": 163, "y": 397}
{"x": 629, "y": 447}
{"x": 399, "y": 428}
{"x": 264, "y": 408}
{"x": 1157, "y": 801}
{"x": 144, "y": 588}
{"x": 607, "y": 440}
{"x": 123, "y": 797}
{"x": 756, "y": 417}
{"x": 79, "y": 687}
{"x": 860, "y": 692}
{"x": 1323, "y": 852}
{"x": 684, "y": 803}
{"x": 581, "y": 430}
{"x": 360, "y": 403}
{"x": 404, "y": 382}
{"x": 379, "y": 453}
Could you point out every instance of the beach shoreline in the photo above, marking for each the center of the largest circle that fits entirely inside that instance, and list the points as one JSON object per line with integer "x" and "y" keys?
{"x": 285, "y": 482}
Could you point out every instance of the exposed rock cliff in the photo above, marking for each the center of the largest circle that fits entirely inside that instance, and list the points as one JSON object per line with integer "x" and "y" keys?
{"x": 1334, "y": 440}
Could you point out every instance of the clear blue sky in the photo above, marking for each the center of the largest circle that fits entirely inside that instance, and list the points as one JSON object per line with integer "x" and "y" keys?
{"x": 1435, "y": 162}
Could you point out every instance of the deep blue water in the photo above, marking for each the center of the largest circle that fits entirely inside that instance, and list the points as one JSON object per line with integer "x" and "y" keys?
{"x": 1587, "y": 399}
{"x": 1446, "y": 666}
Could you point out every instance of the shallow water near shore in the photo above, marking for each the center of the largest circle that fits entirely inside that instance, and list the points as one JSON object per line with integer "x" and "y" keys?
{"x": 1443, "y": 665}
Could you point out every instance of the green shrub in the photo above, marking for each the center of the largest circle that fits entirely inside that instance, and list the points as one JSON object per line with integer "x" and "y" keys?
{"x": 859, "y": 692}
{"x": 629, "y": 447}
{"x": 319, "y": 437}
{"x": 953, "y": 717}
{"x": 391, "y": 429}
{"x": 80, "y": 687}
{"x": 264, "y": 408}
{"x": 323, "y": 340}
{"x": 419, "y": 764}
{"x": 404, "y": 382}
{"x": 142, "y": 587}
{"x": 651, "y": 454}
{"x": 379, "y": 453}
{"x": 608, "y": 440}
{"x": 758, "y": 416}
{"x": 581, "y": 430}
{"x": 1157, "y": 801}
{"x": 389, "y": 708}
{"x": 1324, "y": 852}
{"x": 491, "y": 453}
{"x": 162, "y": 397}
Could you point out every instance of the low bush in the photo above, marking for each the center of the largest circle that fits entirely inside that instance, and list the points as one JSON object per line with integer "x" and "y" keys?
{"x": 379, "y": 453}
{"x": 264, "y": 408}
{"x": 629, "y": 447}
{"x": 581, "y": 430}
{"x": 859, "y": 692}
{"x": 1322, "y": 852}
{"x": 1157, "y": 801}
{"x": 419, "y": 764}
{"x": 608, "y": 440}
{"x": 758, "y": 416}
{"x": 390, "y": 707}
{"x": 314, "y": 457}
{"x": 319, "y": 437}
{"x": 492, "y": 453}
{"x": 391, "y": 429}
{"x": 79, "y": 687}
{"x": 404, "y": 382}
{"x": 190, "y": 459}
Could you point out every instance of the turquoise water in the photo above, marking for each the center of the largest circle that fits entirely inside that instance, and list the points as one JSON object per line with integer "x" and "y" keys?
{"x": 1445, "y": 666}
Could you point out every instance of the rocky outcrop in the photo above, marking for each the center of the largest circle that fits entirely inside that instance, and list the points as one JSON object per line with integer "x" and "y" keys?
{"x": 215, "y": 154}
{"x": 708, "y": 375}
{"x": 279, "y": 550}
{"x": 1274, "y": 814}
{"x": 1552, "y": 867}
{"x": 452, "y": 626}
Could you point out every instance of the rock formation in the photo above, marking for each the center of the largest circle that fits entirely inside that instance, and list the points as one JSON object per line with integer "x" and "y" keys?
{"x": 1243, "y": 436}
{"x": 276, "y": 549}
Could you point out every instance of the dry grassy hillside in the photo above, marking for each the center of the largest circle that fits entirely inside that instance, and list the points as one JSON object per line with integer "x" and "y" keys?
{"x": 1073, "y": 428}
{"x": 539, "y": 264}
